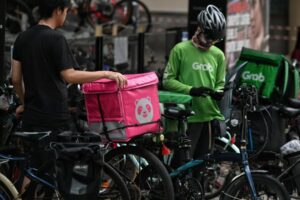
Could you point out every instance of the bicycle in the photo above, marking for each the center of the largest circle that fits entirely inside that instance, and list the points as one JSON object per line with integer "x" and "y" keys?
{"x": 19, "y": 16}
{"x": 125, "y": 13}
{"x": 251, "y": 184}
{"x": 250, "y": 181}
{"x": 107, "y": 185}
{"x": 143, "y": 172}
{"x": 214, "y": 180}
{"x": 204, "y": 185}
{"x": 284, "y": 164}
{"x": 112, "y": 15}
{"x": 130, "y": 152}
{"x": 105, "y": 12}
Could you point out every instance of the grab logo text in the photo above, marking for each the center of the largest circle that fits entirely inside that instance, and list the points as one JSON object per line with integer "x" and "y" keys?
{"x": 203, "y": 67}
{"x": 254, "y": 77}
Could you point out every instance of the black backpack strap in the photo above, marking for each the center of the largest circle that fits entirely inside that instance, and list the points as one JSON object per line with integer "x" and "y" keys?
{"x": 102, "y": 118}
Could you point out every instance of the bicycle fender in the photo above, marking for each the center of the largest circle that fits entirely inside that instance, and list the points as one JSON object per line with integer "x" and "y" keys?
{"x": 252, "y": 172}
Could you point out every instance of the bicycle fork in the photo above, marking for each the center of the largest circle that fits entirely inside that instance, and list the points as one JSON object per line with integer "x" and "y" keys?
{"x": 248, "y": 175}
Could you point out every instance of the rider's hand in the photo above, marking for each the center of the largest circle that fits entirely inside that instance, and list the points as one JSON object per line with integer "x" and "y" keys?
{"x": 119, "y": 78}
{"x": 199, "y": 91}
{"x": 19, "y": 110}
{"x": 217, "y": 95}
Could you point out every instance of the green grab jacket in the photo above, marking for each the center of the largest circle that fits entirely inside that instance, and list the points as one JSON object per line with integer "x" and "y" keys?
{"x": 190, "y": 67}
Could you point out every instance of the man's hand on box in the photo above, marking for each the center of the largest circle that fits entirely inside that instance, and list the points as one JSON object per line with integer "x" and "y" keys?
{"x": 119, "y": 78}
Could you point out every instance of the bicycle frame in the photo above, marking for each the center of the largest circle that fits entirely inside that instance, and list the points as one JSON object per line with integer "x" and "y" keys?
{"x": 246, "y": 106}
{"x": 199, "y": 162}
{"x": 28, "y": 171}
{"x": 137, "y": 162}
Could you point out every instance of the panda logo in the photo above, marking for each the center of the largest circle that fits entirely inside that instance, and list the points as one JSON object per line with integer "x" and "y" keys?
{"x": 144, "y": 110}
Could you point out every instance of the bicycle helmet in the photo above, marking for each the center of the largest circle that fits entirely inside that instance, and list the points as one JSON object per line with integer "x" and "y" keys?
{"x": 212, "y": 22}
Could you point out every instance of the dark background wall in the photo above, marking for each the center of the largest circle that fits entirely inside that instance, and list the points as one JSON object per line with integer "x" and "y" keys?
{"x": 2, "y": 37}
{"x": 279, "y": 28}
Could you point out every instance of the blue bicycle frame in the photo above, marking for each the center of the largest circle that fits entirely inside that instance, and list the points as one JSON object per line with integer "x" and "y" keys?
{"x": 30, "y": 172}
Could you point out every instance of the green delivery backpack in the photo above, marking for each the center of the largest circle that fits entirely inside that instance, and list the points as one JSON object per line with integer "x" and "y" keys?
{"x": 272, "y": 74}
{"x": 276, "y": 80}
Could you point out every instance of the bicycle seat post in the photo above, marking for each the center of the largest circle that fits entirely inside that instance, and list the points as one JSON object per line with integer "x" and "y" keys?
{"x": 184, "y": 142}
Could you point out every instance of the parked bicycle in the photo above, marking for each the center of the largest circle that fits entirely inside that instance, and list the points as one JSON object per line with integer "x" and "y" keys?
{"x": 19, "y": 15}
{"x": 283, "y": 164}
{"x": 80, "y": 171}
{"x": 130, "y": 135}
{"x": 175, "y": 116}
{"x": 246, "y": 185}
{"x": 251, "y": 184}
{"x": 113, "y": 15}
{"x": 85, "y": 14}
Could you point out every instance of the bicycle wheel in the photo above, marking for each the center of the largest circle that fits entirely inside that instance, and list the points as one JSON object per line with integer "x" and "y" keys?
{"x": 7, "y": 189}
{"x": 140, "y": 18}
{"x": 18, "y": 16}
{"x": 113, "y": 186}
{"x": 266, "y": 187}
{"x": 109, "y": 13}
{"x": 141, "y": 168}
{"x": 188, "y": 188}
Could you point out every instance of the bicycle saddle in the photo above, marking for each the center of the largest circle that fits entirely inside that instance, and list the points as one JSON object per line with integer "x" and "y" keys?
{"x": 178, "y": 113}
{"x": 289, "y": 112}
{"x": 295, "y": 103}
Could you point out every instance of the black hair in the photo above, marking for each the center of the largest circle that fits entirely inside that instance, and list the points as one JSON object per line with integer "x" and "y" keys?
{"x": 46, "y": 7}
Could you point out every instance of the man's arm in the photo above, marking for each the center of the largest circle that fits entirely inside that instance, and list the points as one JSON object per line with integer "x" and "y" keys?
{"x": 171, "y": 73}
{"x": 17, "y": 79}
{"x": 76, "y": 76}
{"x": 220, "y": 76}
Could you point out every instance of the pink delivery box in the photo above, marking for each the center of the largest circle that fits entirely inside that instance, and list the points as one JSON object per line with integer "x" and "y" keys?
{"x": 128, "y": 112}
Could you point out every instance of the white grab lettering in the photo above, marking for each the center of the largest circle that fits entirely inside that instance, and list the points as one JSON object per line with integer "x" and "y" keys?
{"x": 204, "y": 67}
{"x": 255, "y": 77}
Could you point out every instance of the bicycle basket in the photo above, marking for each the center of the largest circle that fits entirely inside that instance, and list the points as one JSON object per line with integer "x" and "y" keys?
{"x": 78, "y": 169}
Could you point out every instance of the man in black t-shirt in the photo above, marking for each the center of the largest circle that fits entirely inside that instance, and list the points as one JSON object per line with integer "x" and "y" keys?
{"x": 43, "y": 60}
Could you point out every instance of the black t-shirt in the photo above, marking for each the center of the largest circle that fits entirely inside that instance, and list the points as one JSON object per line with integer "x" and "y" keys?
{"x": 44, "y": 53}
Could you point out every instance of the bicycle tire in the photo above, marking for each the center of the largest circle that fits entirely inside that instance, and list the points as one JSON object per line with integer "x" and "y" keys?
{"x": 7, "y": 189}
{"x": 161, "y": 187}
{"x": 264, "y": 184}
{"x": 113, "y": 188}
{"x": 138, "y": 6}
{"x": 117, "y": 179}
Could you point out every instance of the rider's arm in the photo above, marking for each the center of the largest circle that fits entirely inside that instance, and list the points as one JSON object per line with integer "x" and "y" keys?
{"x": 17, "y": 79}
{"x": 220, "y": 76}
{"x": 76, "y": 76}
{"x": 170, "y": 78}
